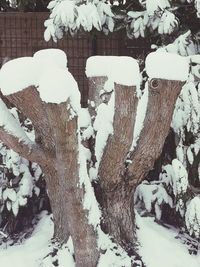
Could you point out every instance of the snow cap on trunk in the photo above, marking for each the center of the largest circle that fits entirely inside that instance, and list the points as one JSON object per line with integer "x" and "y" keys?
{"x": 47, "y": 70}
{"x": 57, "y": 85}
{"x": 17, "y": 74}
{"x": 121, "y": 70}
{"x": 51, "y": 56}
{"x": 163, "y": 65}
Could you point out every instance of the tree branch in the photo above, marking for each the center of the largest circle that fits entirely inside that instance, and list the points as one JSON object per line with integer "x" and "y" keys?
{"x": 118, "y": 145}
{"x": 12, "y": 135}
{"x": 162, "y": 99}
{"x": 29, "y": 151}
{"x": 28, "y": 101}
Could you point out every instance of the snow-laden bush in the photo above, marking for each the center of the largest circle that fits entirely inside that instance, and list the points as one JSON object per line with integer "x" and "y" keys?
{"x": 177, "y": 177}
{"x": 152, "y": 196}
{"x": 180, "y": 174}
{"x": 21, "y": 183}
{"x": 71, "y": 16}
{"x": 192, "y": 217}
{"x": 68, "y": 15}
{"x": 18, "y": 180}
{"x": 171, "y": 189}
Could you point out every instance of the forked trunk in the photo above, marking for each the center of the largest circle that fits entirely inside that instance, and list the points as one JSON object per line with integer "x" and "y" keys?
{"x": 57, "y": 143}
{"x": 120, "y": 171}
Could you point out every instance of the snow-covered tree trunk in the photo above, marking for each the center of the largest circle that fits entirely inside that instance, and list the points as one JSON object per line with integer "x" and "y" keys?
{"x": 58, "y": 151}
{"x": 57, "y": 154}
{"x": 121, "y": 170}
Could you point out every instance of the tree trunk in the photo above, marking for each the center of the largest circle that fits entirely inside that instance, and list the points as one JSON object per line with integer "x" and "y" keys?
{"x": 118, "y": 214}
{"x": 119, "y": 174}
{"x": 116, "y": 194}
{"x": 57, "y": 137}
{"x": 119, "y": 171}
{"x": 70, "y": 193}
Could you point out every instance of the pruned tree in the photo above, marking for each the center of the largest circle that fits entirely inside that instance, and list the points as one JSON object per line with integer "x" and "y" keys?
{"x": 61, "y": 137}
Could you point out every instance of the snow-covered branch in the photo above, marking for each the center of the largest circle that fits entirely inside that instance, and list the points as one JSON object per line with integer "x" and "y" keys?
{"x": 31, "y": 151}
{"x": 68, "y": 15}
{"x": 164, "y": 87}
{"x": 12, "y": 135}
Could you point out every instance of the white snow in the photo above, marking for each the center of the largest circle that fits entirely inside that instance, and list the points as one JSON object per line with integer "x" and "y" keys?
{"x": 32, "y": 250}
{"x": 140, "y": 116}
{"x": 89, "y": 200}
{"x": 48, "y": 59}
{"x": 103, "y": 125}
{"x": 121, "y": 70}
{"x": 84, "y": 120}
{"x": 11, "y": 125}
{"x": 51, "y": 56}
{"x": 159, "y": 247}
{"x": 192, "y": 216}
{"x": 57, "y": 85}
{"x": 152, "y": 196}
{"x": 180, "y": 177}
{"x": 47, "y": 70}
{"x": 154, "y": 5}
{"x": 114, "y": 255}
{"x": 168, "y": 66}
{"x": 17, "y": 74}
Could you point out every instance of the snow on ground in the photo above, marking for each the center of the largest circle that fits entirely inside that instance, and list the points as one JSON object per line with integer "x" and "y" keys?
{"x": 33, "y": 251}
{"x": 158, "y": 248}
{"x": 34, "y": 248}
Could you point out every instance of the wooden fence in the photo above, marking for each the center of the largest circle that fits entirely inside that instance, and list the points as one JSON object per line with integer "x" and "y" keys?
{"x": 21, "y": 34}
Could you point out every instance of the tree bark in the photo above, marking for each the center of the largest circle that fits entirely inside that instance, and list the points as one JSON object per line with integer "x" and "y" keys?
{"x": 96, "y": 85}
{"x": 57, "y": 138}
{"x": 119, "y": 177}
{"x": 74, "y": 217}
{"x": 115, "y": 194}
{"x": 37, "y": 113}
{"x": 119, "y": 171}
{"x": 162, "y": 98}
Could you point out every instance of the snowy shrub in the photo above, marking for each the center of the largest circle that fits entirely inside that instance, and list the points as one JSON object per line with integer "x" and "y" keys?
{"x": 192, "y": 217}
{"x": 151, "y": 19}
{"x": 183, "y": 45}
{"x": 175, "y": 178}
{"x": 181, "y": 174}
{"x": 157, "y": 17}
{"x": 21, "y": 182}
{"x": 152, "y": 196}
{"x": 68, "y": 15}
{"x": 170, "y": 189}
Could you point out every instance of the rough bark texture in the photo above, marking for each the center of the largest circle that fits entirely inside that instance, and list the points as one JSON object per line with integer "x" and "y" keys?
{"x": 56, "y": 136}
{"x": 96, "y": 85}
{"x": 66, "y": 165}
{"x": 162, "y": 98}
{"x": 115, "y": 153}
{"x": 30, "y": 103}
{"x": 115, "y": 194}
{"x": 118, "y": 178}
